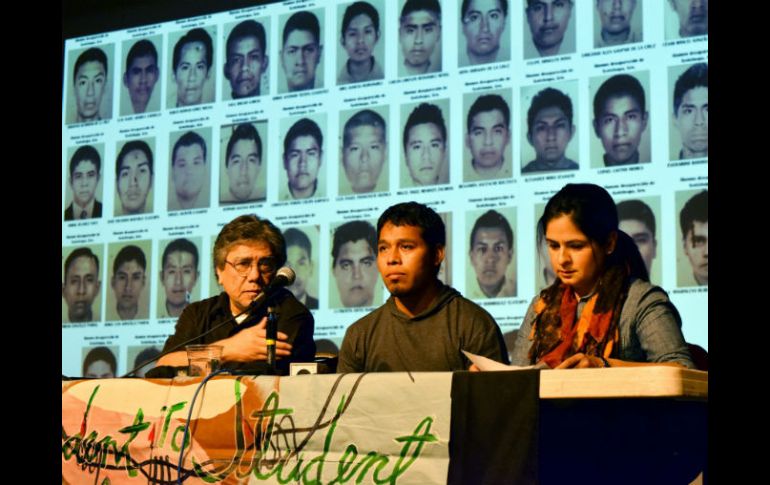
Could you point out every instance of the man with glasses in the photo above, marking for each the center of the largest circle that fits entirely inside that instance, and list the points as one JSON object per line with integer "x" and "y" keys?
{"x": 247, "y": 253}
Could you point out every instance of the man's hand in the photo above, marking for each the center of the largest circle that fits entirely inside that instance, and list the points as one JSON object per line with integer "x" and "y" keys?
{"x": 249, "y": 345}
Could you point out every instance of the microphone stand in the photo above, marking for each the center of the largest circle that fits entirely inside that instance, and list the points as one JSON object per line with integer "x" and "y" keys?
{"x": 271, "y": 335}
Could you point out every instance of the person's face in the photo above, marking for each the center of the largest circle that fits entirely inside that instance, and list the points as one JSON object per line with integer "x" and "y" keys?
{"x": 359, "y": 38}
{"x": 127, "y": 283}
{"x": 490, "y": 256}
{"x": 178, "y": 276}
{"x": 620, "y": 127}
{"x": 405, "y": 261}
{"x": 100, "y": 370}
{"x": 425, "y": 153}
{"x": 244, "y": 67}
{"x": 89, "y": 89}
{"x": 300, "y": 56}
{"x": 191, "y": 74}
{"x": 483, "y": 24}
{"x": 134, "y": 181}
{"x": 693, "y": 16}
{"x": 302, "y": 162}
{"x": 140, "y": 79}
{"x": 419, "y": 33}
{"x": 576, "y": 260}
{"x": 243, "y": 167}
{"x": 615, "y": 15}
{"x": 488, "y": 138}
{"x": 83, "y": 180}
{"x": 298, "y": 260}
{"x": 548, "y": 20}
{"x": 242, "y": 290}
{"x": 551, "y": 133}
{"x": 692, "y": 119}
{"x": 80, "y": 288}
{"x": 189, "y": 171}
{"x": 696, "y": 247}
{"x": 355, "y": 273}
{"x": 643, "y": 237}
{"x": 364, "y": 157}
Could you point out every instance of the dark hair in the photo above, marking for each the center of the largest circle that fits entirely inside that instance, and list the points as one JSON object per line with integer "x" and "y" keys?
{"x": 302, "y": 20}
{"x": 295, "y": 237}
{"x": 360, "y": 8}
{"x": 617, "y": 86}
{"x": 97, "y": 354}
{"x": 188, "y": 139}
{"x": 94, "y": 54}
{"x": 129, "y": 147}
{"x": 249, "y": 228}
{"x": 417, "y": 5}
{"x": 695, "y": 209}
{"x": 247, "y": 28}
{"x": 364, "y": 117}
{"x": 495, "y": 220}
{"x": 422, "y": 114}
{"x": 351, "y": 232}
{"x": 146, "y": 354}
{"x": 85, "y": 153}
{"x": 695, "y": 76}
{"x": 466, "y": 4}
{"x": 546, "y": 98}
{"x": 195, "y": 35}
{"x": 244, "y": 131}
{"x": 79, "y": 253}
{"x": 181, "y": 245}
{"x": 637, "y": 210}
{"x": 303, "y": 127}
{"x": 489, "y": 102}
{"x": 591, "y": 208}
{"x": 529, "y": 2}
{"x": 141, "y": 48}
{"x": 129, "y": 253}
{"x": 431, "y": 225}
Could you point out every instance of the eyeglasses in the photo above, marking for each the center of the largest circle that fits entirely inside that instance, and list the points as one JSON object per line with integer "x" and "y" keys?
{"x": 243, "y": 266}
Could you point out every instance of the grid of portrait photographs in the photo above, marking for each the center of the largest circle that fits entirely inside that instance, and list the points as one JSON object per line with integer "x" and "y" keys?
{"x": 320, "y": 115}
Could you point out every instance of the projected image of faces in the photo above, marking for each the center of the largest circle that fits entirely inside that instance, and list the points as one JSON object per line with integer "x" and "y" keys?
{"x": 484, "y": 36}
{"x": 192, "y": 79}
{"x": 638, "y": 218}
{"x": 419, "y": 37}
{"x": 242, "y": 177}
{"x": 550, "y": 28}
{"x": 134, "y": 178}
{"x": 364, "y": 152}
{"x": 179, "y": 276}
{"x": 549, "y": 128}
{"x": 84, "y": 183}
{"x": 301, "y": 52}
{"x": 189, "y": 170}
{"x": 91, "y": 85}
{"x": 492, "y": 271}
{"x": 617, "y": 22}
{"x": 689, "y": 18}
{"x": 425, "y": 145}
{"x": 361, "y": 53}
{"x": 303, "y": 168}
{"x": 140, "y": 77}
{"x": 128, "y": 298}
{"x": 100, "y": 362}
{"x": 693, "y": 252}
{"x": 81, "y": 286}
{"x": 689, "y": 130}
{"x": 487, "y": 136}
{"x": 300, "y": 255}
{"x": 246, "y": 60}
{"x": 354, "y": 266}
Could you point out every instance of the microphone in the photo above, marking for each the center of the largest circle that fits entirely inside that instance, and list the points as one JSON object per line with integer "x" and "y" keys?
{"x": 285, "y": 276}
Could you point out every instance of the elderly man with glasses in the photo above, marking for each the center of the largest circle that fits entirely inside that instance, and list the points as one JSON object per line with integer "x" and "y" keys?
{"x": 247, "y": 253}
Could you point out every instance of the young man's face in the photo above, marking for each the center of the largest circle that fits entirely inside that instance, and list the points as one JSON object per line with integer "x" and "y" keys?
{"x": 302, "y": 163}
{"x": 191, "y": 74}
{"x": 100, "y": 369}
{"x": 299, "y": 57}
{"x": 620, "y": 128}
{"x": 127, "y": 283}
{"x": 243, "y": 167}
{"x": 643, "y": 237}
{"x": 405, "y": 261}
{"x": 140, "y": 79}
{"x": 550, "y": 135}
{"x": 490, "y": 256}
{"x": 355, "y": 273}
{"x": 83, "y": 180}
{"x": 134, "y": 181}
{"x": 696, "y": 247}
{"x": 692, "y": 120}
{"x": 178, "y": 276}
{"x": 425, "y": 153}
{"x": 364, "y": 156}
{"x": 615, "y": 15}
{"x": 693, "y": 16}
{"x": 298, "y": 260}
{"x": 488, "y": 138}
{"x": 90, "y": 81}
{"x": 80, "y": 288}
{"x": 360, "y": 38}
{"x": 548, "y": 20}
{"x": 189, "y": 171}
{"x": 419, "y": 33}
{"x": 245, "y": 65}
{"x": 483, "y": 24}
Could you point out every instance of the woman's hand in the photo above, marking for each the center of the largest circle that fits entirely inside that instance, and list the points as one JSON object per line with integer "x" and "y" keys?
{"x": 581, "y": 361}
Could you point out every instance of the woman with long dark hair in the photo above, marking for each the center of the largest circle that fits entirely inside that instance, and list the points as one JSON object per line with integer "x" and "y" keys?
{"x": 602, "y": 310}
